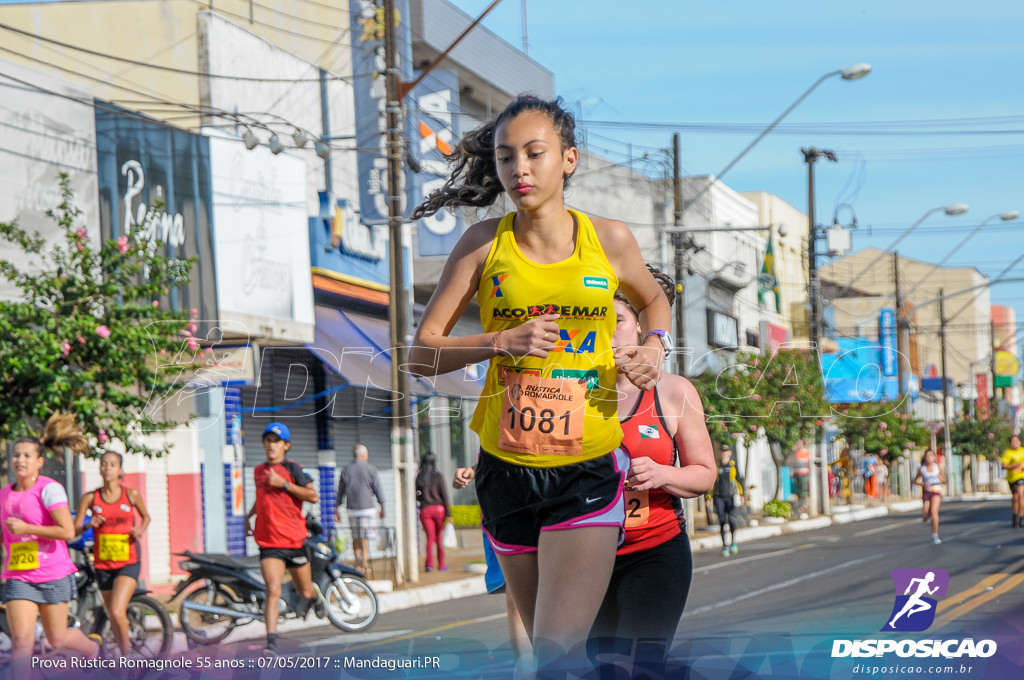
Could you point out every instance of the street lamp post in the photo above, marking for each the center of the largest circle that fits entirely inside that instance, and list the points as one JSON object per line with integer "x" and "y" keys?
{"x": 681, "y": 243}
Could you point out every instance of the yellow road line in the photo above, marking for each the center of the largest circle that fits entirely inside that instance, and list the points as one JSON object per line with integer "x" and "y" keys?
{"x": 981, "y": 587}
{"x": 1007, "y": 585}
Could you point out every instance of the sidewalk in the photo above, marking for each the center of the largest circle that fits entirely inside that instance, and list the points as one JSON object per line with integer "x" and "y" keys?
{"x": 464, "y": 576}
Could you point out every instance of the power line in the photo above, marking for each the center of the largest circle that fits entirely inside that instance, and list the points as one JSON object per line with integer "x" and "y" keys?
{"x": 275, "y": 27}
{"x": 158, "y": 67}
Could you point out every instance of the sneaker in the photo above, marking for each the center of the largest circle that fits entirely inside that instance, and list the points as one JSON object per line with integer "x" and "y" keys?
{"x": 271, "y": 648}
{"x": 429, "y": 569}
{"x": 734, "y": 548}
{"x": 303, "y": 609}
{"x": 725, "y": 552}
{"x": 1016, "y": 522}
{"x": 935, "y": 539}
{"x": 98, "y": 639}
{"x": 444, "y": 568}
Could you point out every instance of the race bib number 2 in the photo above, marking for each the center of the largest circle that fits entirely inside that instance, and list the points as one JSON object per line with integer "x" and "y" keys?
{"x": 24, "y": 556}
{"x": 638, "y": 508}
{"x": 542, "y": 416}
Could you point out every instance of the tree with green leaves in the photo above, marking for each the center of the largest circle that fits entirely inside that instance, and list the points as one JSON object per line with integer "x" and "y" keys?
{"x": 783, "y": 394}
{"x": 984, "y": 439}
{"x": 90, "y": 335}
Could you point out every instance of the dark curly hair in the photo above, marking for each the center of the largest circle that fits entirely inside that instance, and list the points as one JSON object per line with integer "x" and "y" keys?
{"x": 474, "y": 177}
{"x": 667, "y": 283}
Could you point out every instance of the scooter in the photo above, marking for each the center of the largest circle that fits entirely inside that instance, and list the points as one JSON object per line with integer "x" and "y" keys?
{"x": 233, "y": 592}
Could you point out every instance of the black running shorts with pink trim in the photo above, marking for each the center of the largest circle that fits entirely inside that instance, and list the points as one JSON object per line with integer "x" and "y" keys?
{"x": 519, "y": 502}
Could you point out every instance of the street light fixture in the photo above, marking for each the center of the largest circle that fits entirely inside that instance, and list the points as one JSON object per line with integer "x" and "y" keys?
{"x": 1007, "y": 216}
{"x": 952, "y": 209}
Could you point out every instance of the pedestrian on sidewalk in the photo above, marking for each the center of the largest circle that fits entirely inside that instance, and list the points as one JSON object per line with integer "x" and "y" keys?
{"x": 435, "y": 509}
{"x": 360, "y": 483}
{"x": 801, "y": 474}
{"x": 728, "y": 485}
{"x": 930, "y": 477}
{"x": 550, "y": 489}
{"x": 1012, "y": 461}
{"x": 870, "y": 479}
{"x": 882, "y": 478}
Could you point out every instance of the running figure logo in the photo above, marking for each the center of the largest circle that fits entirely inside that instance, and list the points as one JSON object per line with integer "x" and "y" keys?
{"x": 914, "y": 609}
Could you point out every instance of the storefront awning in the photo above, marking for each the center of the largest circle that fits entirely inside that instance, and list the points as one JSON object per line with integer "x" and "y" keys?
{"x": 356, "y": 346}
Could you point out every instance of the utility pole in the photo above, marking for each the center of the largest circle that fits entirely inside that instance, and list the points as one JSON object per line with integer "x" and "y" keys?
{"x": 680, "y": 257}
{"x": 811, "y": 155}
{"x": 992, "y": 357}
{"x": 947, "y": 446}
{"x": 819, "y": 480}
{"x": 402, "y": 455}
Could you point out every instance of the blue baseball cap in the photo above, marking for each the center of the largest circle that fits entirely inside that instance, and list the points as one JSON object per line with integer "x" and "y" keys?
{"x": 280, "y": 429}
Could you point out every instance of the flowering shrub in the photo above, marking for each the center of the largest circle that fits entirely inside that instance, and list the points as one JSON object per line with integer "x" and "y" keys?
{"x": 85, "y": 335}
{"x": 880, "y": 428}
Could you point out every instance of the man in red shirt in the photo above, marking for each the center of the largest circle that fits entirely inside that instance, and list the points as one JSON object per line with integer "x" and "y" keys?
{"x": 281, "y": 489}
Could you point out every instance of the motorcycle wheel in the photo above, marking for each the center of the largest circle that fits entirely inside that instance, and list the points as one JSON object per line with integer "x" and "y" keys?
{"x": 201, "y": 627}
{"x": 150, "y": 630}
{"x": 351, "y": 603}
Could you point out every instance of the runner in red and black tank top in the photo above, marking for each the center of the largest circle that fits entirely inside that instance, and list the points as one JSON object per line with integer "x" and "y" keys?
{"x": 652, "y": 516}
{"x": 114, "y": 546}
{"x": 116, "y": 549}
{"x": 670, "y": 458}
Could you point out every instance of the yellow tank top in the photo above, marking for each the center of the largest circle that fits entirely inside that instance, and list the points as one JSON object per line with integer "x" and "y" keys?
{"x": 1009, "y": 457}
{"x": 580, "y": 289}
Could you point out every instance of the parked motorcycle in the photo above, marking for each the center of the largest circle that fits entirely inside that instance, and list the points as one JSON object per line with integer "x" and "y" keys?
{"x": 149, "y": 624}
{"x": 233, "y": 592}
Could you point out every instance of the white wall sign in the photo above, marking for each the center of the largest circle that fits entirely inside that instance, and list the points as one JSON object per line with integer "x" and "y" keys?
{"x": 261, "y": 232}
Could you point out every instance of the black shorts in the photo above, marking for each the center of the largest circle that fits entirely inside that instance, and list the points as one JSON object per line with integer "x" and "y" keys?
{"x": 647, "y": 593}
{"x": 519, "y": 502}
{"x": 1019, "y": 482}
{"x": 105, "y": 577}
{"x": 724, "y": 506}
{"x": 293, "y": 558}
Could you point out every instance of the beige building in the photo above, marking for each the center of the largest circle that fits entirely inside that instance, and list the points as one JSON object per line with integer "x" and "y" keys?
{"x": 153, "y": 51}
{"x": 865, "y": 283}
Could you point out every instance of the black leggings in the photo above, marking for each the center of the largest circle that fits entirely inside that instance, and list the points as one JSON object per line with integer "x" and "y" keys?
{"x": 647, "y": 593}
{"x": 724, "y": 508}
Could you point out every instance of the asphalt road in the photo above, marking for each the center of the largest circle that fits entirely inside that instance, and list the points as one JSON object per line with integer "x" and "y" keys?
{"x": 773, "y": 611}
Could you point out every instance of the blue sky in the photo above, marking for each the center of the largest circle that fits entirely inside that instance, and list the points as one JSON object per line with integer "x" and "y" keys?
{"x": 745, "y": 61}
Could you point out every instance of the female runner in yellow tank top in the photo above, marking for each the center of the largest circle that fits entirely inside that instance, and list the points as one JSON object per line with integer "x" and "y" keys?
{"x": 550, "y": 475}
